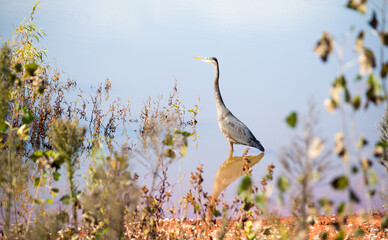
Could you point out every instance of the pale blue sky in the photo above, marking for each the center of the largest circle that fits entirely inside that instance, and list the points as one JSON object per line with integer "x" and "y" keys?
{"x": 264, "y": 47}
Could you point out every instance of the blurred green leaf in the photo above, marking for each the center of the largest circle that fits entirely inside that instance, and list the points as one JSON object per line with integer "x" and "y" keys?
{"x": 126, "y": 178}
{"x": 353, "y": 196}
{"x": 45, "y": 174}
{"x": 196, "y": 208}
{"x": 216, "y": 213}
{"x": 374, "y": 89}
{"x": 27, "y": 116}
{"x": 184, "y": 142}
{"x": 168, "y": 140}
{"x": 373, "y": 22}
{"x": 251, "y": 236}
{"x": 260, "y": 199}
{"x": 36, "y": 181}
{"x": 3, "y": 126}
{"x": 374, "y": 82}
{"x": 359, "y": 232}
{"x": 36, "y": 155}
{"x": 362, "y": 142}
{"x": 49, "y": 153}
{"x": 367, "y": 61}
{"x": 341, "y": 208}
{"x": 340, "y": 81}
{"x": 99, "y": 173}
{"x": 347, "y": 96}
{"x": 283, "y": 184}
{"x": 65, "y": 199}
{"x": 186, "y": 134}
{"x": 245, "y": 185}
{"x": 359, "y": 42}
{"x": 123, "y": 164}
{"x": 373, "y": 179}
{"x": 372, "y": 192}
{"x": 39, "y": 201}
{"x": 18, "y": 67}
{"x": 384, "y": 38}
{"x": 384, "y": 70}
{"x": 54, "y": 191}
{"x": 340, "y": 235}
{"x": 169, "y": 153}
{"x": 177, "y": 131}
{"x": 379, "y": 149}
{"x": 292, "y": 119}
{"x": 49, "y": 201}
{"x": 183, "y": 151}
{"x": 324, "y": 235}
{"x": 384, "y": 222}
{"x": 358, "y": 78}
{"x": 366, "y": 163}
{"x": 104, "y": 230}
{"x": 31, "y": 68}
{"x": 56, "y": 176}
{"x": 59, "y": 159}
{"x": 326, "y": 204}
{"x": 356, "y": 102}
{"x": 324, "y": 46}
{"x": 340, "y": 183}
{"x": 382, "y": 144}
{"x": 358, "y": 5}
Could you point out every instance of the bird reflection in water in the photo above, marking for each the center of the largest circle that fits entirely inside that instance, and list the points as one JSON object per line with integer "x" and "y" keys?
{"x": 229, "y": 172}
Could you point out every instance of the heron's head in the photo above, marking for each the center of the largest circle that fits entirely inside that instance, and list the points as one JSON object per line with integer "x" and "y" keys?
{"x": 211, "y": 60}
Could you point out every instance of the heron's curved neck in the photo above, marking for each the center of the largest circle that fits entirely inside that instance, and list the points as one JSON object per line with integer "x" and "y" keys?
{"x": 220, "y": 103}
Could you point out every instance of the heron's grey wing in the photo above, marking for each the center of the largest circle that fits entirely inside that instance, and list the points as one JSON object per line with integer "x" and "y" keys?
{"x": 236, "y": 130}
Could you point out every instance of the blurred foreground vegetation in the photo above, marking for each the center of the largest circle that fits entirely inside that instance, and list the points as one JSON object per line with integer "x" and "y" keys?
{"x": 48, "y": 124}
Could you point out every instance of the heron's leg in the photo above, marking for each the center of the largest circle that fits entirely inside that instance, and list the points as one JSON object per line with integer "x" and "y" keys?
{"x": 231, "y": 148}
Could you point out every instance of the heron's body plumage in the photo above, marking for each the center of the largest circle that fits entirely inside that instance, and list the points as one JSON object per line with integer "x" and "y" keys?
{"x": 237, "y": 132}
{"x": 234, "y": 130}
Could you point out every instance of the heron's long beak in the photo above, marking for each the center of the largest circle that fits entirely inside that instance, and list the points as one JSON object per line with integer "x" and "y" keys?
{"x": 202, "y": 59}
{"x": 199, "y": 58}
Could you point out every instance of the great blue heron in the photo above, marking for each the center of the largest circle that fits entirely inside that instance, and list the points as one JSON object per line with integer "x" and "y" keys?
{"x": 234, "y": 130}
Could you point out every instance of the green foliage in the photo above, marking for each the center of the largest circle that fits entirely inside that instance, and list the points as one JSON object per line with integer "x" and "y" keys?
{"x": 283, "y": 184}
{"x": 111, "y": 194}
{"x": 5, "y": 84}
{"x": 369, "y": 87}
{"x": 324, "y": 46}
{"x": 341, "y": 208}
{"x": 384, "y": 222}
{"x": 67, "y": 139}
{"x": 305, "y": 162}
{"x": 340, "y": 183}
{"x": 48, "y": 225}
{"x": 358, "y": 5}
{"x": 56, "y": 176}
{"x": 326, "y": 205}
{"x": 27, "y": 116}
{"x": 292, "y": 119}
{"x": 381, "y": 149}
{"x": 31, "y": 69}
{"x": 12, "y": 166}
{"x": 244, "y": 190}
